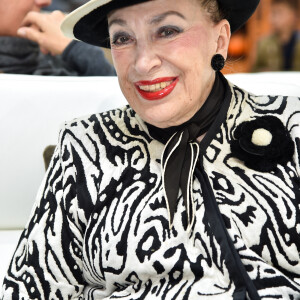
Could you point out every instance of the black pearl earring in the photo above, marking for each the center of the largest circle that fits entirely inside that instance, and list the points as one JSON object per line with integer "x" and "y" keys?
{"x": 217, "y": 62}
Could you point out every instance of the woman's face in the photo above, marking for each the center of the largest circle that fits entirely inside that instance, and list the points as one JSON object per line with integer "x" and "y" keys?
{"x": 162, "y": 52}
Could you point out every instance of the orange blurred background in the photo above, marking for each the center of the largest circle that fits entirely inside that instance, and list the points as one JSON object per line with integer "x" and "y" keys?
{"x": 243, "y": 43}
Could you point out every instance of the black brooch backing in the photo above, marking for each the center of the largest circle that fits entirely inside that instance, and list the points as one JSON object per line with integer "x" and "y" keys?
{"x": 262, "y": 144}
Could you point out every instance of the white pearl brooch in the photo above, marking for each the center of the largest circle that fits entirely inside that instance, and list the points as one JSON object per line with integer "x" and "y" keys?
{"x": 261, "y": 137}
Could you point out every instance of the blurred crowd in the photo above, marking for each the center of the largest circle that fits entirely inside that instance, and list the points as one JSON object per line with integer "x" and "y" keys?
{"x": 31, "y": 41}
{"x": 280, "y": 51}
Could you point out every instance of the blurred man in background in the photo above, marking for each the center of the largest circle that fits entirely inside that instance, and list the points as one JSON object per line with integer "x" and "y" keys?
{"x": 281, "y": 50}
{"x": 32, "y": 43}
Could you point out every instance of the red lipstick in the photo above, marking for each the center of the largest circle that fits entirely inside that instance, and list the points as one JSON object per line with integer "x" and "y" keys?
{"x": 158, "y": 94}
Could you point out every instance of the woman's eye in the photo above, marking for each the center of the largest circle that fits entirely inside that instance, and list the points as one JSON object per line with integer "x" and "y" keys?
{"x": 121, "y": 39}
{"x": 168, "y": 31}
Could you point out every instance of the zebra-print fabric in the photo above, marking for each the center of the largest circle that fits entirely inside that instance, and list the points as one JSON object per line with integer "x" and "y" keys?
{"x": 100, "y": 230}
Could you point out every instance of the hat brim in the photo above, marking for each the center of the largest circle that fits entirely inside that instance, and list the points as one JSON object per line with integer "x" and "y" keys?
{"x": 88, "y": 23}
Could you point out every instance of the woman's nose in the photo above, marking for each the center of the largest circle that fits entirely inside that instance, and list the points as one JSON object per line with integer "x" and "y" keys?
{"x": 147, "y": 60}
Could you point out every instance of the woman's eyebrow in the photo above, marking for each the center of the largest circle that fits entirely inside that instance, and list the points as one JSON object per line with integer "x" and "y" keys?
{"x": 159, "y": 18}
{"x": 155, "y": 20}
{"x": 117, "y": 21}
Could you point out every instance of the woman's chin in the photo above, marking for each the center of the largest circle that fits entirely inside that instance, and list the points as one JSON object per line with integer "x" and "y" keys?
{"x": 154, "y": 114}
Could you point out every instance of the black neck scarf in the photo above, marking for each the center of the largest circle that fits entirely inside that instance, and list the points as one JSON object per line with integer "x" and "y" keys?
{"x": 182, "y": 150}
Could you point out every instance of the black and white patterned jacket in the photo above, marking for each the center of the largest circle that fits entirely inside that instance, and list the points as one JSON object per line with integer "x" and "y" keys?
{"x": 99, "y": 229}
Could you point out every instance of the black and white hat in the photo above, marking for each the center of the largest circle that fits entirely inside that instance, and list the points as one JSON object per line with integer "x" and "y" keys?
{"x": 88, "y": 23}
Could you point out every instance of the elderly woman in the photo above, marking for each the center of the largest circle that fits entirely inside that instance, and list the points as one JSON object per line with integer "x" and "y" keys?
{"x": 190, "y": 192}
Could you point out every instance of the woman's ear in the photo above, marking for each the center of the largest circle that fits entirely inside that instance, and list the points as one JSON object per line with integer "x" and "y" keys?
{"x": 223, "y": 37}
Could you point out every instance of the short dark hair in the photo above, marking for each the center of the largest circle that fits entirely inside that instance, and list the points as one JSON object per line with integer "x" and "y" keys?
{"x": 294, "y": 4}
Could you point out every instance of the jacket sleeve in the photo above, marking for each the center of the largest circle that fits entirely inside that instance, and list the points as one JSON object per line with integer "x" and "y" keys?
{"x": 47, "y": 263}
{"x": 87, "y": 60}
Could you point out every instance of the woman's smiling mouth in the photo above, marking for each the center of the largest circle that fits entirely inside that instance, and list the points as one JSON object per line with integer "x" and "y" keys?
{"x": 156, "y": 89}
